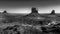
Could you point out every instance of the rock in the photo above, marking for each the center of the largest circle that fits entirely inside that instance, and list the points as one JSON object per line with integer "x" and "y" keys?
{"x": 34, "y": 10}
{"x": 5, "y": 11}
{"x": 53, "y": 12}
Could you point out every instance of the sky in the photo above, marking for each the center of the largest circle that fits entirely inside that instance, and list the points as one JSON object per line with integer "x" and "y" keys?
{"x": 20, "y": 6}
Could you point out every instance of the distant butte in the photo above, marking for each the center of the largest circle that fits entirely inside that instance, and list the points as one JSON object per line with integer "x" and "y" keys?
{"x": 5, "y": 11}
{"x": 33, "y": 13}
{"x": 34, "y": 10}
{"x": 53, "y": 12}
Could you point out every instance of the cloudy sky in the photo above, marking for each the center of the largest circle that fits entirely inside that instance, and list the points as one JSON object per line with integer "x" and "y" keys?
{"x": 22, "y": 6}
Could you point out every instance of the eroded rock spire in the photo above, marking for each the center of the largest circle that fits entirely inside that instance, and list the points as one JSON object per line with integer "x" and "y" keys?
{"x": 4, "y": 11}
{"x": 53, "y": 12}
{"x": 34, "y": 10}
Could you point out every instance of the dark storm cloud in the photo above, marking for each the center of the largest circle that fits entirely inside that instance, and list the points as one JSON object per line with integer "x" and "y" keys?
{"x": 27, "y": 0}
{"x": 18, "y": 4}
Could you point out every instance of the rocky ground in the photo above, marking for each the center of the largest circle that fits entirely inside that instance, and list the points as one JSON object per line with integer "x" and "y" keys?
{"x": 33, "y": 23}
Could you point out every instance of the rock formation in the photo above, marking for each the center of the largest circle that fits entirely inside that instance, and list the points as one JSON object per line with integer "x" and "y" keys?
{"x": 34, "y": 10}
{"x": 33, "y": 13}
{"x": 5, "y": 11}
{"x": 53, "y": 12}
